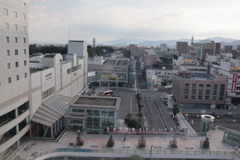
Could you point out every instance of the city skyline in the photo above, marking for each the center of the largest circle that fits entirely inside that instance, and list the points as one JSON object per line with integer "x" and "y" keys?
{"x": 50, "y": 20}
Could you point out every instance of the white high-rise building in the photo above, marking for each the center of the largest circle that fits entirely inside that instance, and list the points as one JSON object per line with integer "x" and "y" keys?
{"x": 14, "y": 75}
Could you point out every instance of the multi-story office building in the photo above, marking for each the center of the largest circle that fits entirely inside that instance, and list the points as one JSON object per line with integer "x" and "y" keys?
{"x": 200, "y": 91}
{"x": 93, "y": 114}
{"x": 110, "y": 70}
{"x": 230, "y": 68}
{"x": 210, "y": 49}
{"x": 182, "y": 48}
{"x": 150, "y": 58}
{"x": 228, "y": 48}
{"x": 14, "y": 75}
{"x": 24, "y": 96}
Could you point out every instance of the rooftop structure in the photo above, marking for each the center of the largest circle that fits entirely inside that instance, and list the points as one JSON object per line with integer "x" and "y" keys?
{"x": 157, "y": 146}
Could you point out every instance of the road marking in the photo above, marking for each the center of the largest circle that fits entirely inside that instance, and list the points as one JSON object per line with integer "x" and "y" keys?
{"x": 69, "y": 138}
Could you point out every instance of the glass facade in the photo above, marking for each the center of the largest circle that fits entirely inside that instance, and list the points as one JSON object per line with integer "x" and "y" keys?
{"x": 231, "y": 137}
{"x": 97, "y": 120}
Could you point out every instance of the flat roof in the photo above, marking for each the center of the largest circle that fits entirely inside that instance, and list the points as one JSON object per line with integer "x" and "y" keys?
{"x": 95, "y": 102}
{"x": 116, "y": 62}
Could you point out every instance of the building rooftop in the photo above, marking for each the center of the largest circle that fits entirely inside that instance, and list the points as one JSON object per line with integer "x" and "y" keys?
{"x": 95, "y": 102}
{"x": 95, "y": 144}
{"x": 116, "y": 62}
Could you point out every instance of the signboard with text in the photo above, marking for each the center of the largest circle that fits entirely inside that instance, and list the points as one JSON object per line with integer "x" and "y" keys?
{"x": 234, "y": 83}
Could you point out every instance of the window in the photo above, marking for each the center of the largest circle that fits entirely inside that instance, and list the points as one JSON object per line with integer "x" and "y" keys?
{"x": 8, "y": 66}
{"x": 24, "y": 40}
{"x": 25, "y": 51}
{"x": 8, "y": 52}
{"x": 25, "y": 63}
{"x": 24, "y": 16}
{"x": 16, "y": 52}
{"x": 6, "y": 25}
{"x": 5, "y": 12}
{"x": 16, "y": 39}
{"x": 16, "y": 64}
{"x": 7, "y": 39}
{"x": 17, "y": 77}
{"x": 9, "y": 80}
{"x": 25, "y": 75}
{"x": 16, "y": 27}
{"x": 24, "y": 28}
{"x": 14, "y": 14}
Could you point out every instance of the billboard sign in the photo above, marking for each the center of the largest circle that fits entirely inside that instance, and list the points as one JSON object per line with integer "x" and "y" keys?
{"x": 234, "y": 83}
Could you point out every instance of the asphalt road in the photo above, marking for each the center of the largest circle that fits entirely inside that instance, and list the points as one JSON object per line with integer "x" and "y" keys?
{"x": 140, "y": 80}
{"x": 157, "y": 114}
{"x": 153, "y": 116}
{"x": 165, "y": 114}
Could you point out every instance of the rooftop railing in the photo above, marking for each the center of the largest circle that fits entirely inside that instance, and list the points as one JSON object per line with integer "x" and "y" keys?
{"x": 231, "y": 154}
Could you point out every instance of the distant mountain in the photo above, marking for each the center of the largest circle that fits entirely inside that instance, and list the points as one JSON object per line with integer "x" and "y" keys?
{"x": 237, "y": 42}
{"x": 123, "y": 41}
{"x": 172, "y": 43}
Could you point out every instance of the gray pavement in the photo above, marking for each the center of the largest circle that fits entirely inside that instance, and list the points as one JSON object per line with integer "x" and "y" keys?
{"x": 98, "y": 142}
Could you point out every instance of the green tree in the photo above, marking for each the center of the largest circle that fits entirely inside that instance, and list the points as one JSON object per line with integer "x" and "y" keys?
{"x": 132, "y": 123}
{"x": 110, "y": 142}
{"x": 176, "y": 109}
{"x": 33, "y": 48}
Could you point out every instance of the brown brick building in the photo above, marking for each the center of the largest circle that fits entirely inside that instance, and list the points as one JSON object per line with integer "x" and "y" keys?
{"x": 202, "y": 89}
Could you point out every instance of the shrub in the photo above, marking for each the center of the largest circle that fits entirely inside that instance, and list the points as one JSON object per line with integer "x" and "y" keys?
{"x": 141, "y": 146}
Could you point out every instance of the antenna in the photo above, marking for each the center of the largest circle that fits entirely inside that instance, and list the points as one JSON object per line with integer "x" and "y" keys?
{"x": 94, "y": 47}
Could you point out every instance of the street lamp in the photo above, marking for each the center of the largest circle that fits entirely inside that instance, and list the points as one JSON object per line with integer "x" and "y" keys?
{"x": 151, "y": 152}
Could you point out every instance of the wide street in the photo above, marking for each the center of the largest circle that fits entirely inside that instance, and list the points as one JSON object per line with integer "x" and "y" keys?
{"x": 157, "y": 114}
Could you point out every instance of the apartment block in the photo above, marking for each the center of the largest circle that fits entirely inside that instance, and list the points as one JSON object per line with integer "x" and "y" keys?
{"x": 14, "y": 76}
{"x": 182, "y": 48}
{"x": 199, "y": 91}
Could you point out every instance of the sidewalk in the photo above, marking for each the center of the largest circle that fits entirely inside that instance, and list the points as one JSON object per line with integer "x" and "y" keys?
{"x": 98, "y": 142}
{"x": 184, "y": 123}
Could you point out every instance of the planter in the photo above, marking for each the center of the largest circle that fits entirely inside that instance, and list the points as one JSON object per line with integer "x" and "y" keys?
{"x": 109, "y": 147}
{"x": 205, "y": 148}
{"x": 141, "y": 148}
{"x": 173, "y": 148}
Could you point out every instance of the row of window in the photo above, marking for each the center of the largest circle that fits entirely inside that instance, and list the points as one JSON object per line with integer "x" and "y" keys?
{"x": 15, "y": 14}
{"x": 4, "y": 119}
{"x": 73, "y": 69}
{"x": 16, "y": 64}
{"x": 17, "y": 78}
{"x": 48, "y": 92}
{"x": 166, "y": 73}
{"x": 8, "y": 53}
{"x": 16, "y": 28}
{"x": 7, "y": 39}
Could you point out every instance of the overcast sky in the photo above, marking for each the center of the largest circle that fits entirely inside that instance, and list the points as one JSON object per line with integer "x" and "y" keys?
{"x": 49, "y": 20}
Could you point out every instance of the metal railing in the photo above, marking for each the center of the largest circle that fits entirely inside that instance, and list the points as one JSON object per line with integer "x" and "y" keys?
{"x": 18, "y": 150}
{"x": 158, "y": 152}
